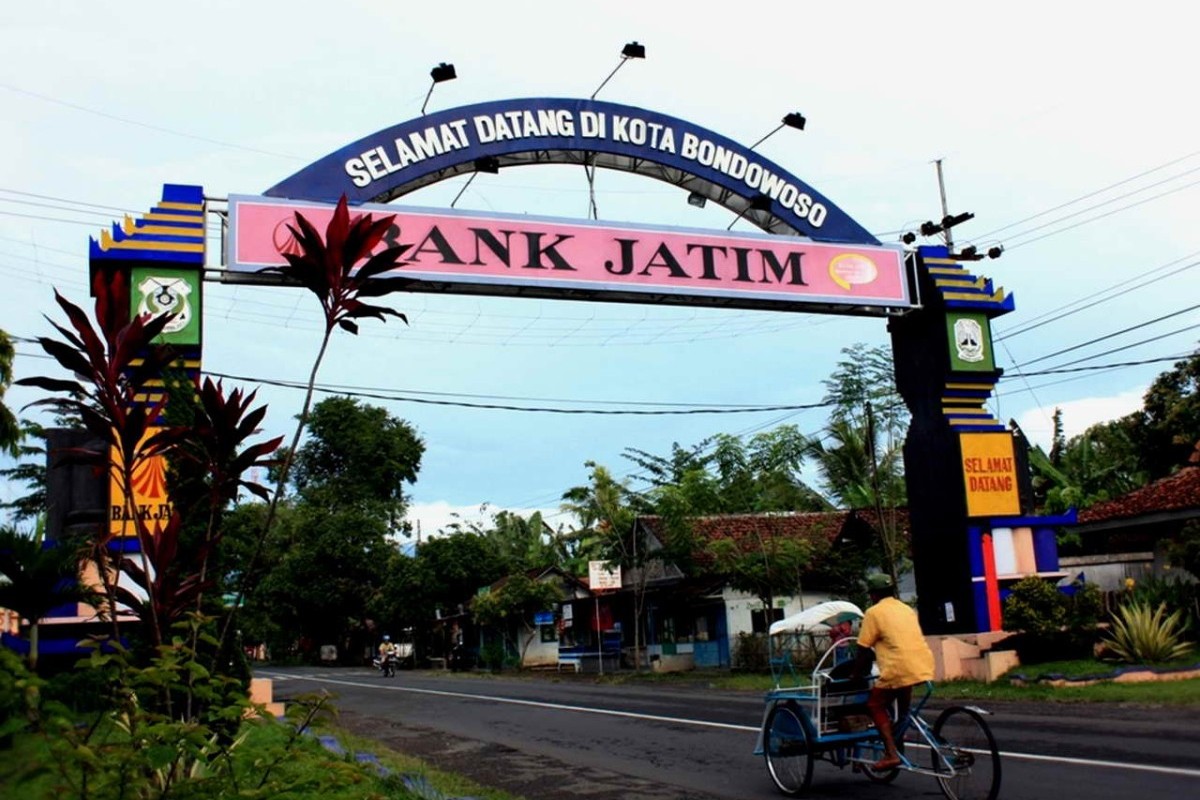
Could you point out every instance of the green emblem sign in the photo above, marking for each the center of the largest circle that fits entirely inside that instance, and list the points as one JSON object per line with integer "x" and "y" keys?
{"x": 970, "y": 339}
{"x": 162, "y": 290}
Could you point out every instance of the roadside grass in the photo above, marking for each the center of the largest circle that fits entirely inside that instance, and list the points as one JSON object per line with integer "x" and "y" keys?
{"x": 1168, "y": 692}
{"x": 1176, "y": 693}
{"x": 28, "y": 771}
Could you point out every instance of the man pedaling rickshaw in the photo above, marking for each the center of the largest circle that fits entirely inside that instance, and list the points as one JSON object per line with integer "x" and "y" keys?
{"x": 891, "y": 629}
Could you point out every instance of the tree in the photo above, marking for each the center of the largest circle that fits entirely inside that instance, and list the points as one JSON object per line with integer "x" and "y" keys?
{"x": 358, "y": 455}
{"x": 31, "y": 471}
{"x": 330, "y": 576}
{"x": 764, "y": 565}
{"x": 606, "y": 510}
{"x": 863, "y": 467}
{"x": 38, "y": 579}
{"x": 10, "y": 430}
{"x": 1167, "y": 428}
{"x": 1097, "y": 465}
{"x": 734, "y": 476}
{"x": 511, "y": 606}
{"x": 520, "y": 543}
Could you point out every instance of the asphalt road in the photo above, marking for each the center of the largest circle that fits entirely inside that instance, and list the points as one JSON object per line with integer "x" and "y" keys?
{"x": 566, "y": 739}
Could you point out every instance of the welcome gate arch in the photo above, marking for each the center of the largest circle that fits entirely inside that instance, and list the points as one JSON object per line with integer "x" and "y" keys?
{"x": 968, "y": 521}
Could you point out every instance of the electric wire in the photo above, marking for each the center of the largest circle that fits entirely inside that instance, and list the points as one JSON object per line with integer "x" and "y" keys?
{"x": 138, "y": 123}
{"x": 1062, "y": 312}
{"x": 1107, "y": 336}
{"x": 1091, "y": 194}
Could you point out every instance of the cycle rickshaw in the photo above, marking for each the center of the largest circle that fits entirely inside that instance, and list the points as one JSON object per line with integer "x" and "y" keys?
{"x": 820, "y": 715}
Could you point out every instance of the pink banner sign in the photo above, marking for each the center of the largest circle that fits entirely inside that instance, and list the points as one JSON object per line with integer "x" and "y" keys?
{"x": 450, "y": 249}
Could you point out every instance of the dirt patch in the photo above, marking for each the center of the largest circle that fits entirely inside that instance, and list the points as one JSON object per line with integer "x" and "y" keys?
{"x": 532, "y": 775}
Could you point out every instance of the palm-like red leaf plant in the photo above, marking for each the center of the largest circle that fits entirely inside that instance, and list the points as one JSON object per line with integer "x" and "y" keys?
{"x": 211, "y": 456}
{"x": 338, "y": 269}
{"x": 112, "y": 366}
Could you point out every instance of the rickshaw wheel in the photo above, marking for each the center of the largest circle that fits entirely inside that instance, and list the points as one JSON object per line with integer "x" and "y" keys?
{"x": 875, "y": 749}
{"x": 880, "y": 776}
{"x": 787, "y": 750}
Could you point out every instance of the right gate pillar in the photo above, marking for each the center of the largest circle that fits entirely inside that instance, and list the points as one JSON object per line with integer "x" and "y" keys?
{"x": 966, "y": 477}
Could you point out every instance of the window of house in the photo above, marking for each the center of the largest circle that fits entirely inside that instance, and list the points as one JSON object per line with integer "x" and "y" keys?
{"x": 549, "y": 633}
{"x": 761, "y": 618}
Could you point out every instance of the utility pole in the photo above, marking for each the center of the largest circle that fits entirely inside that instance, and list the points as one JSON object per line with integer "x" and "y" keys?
{"x": 945, "y": 208}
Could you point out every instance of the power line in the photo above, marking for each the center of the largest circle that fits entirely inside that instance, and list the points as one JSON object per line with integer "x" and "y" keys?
{"x": 1133, "y": 345}
{"x": 148, "y": 126}
{"x": 380, "y": 395}
{"x": 1055, "y": 314}
{"x": 1091, "y": 194}
{"x": 63, "y": 200}
{"x": 1107, "y": 336}
{"x": 1101, "y": 216}
{"x": 1094, "y": 367}
{"x": 55, "y": 219}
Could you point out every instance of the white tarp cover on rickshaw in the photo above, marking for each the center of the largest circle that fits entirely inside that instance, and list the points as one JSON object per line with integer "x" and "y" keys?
{"x": 818, "y": 618}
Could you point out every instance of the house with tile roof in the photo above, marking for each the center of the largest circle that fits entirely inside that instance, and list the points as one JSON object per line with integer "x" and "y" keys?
{"x": 692, "y": 616}
{"x": 1127, "y": 537}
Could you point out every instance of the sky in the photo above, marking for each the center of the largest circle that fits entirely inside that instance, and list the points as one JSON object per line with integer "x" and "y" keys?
{"x": 1068, "y": 135}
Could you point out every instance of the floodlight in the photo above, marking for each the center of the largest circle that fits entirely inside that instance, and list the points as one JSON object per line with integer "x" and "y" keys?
{"x": 794, "y": 120}
{"x": 441, "y": 73}
{"x": 760, "y": 202}
{"x": 488, "y": 164}
{"x": 996, "y": 252}
{"x": 909, "y": 237}
{"x": 630, "y": 50}
{"x": 696, "y": 199}
{"x": 634, "y": 50}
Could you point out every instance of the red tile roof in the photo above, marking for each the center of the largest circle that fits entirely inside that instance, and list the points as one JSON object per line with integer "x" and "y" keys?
{"x": 819, "y": 528}
{"x": 1178, "y": 492}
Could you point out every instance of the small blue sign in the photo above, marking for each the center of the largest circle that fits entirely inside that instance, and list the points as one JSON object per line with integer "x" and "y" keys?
{"x": 543, "y": 618}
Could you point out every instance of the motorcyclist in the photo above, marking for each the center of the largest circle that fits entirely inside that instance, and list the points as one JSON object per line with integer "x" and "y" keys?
{"x": 387, "y": 655}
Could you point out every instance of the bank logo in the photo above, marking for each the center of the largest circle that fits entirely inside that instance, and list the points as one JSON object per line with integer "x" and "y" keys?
{"x": 968, "y": 340}
{"x": 161, "y": 295}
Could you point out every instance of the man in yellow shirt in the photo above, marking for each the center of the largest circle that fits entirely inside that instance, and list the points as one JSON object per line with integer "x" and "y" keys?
{"x": 892, "y": 630}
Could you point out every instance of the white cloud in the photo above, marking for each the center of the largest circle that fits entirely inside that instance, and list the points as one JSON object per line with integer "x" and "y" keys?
{"x": 1078, "y": 415}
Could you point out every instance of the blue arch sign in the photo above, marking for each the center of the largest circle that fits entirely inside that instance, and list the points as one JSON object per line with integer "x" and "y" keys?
{"x": 487, "y": 136}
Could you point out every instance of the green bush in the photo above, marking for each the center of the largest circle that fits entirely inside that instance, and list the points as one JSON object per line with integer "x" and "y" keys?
{"x": 1035, "y": 607}
{"x": 1177, "y": 594}
{"x": 14, "y": 688}
{"x": 750, "y": 653}
{"x": 1053, "y": 624}
{"x": 492, "y": 656}
{"x": 1142, "y": 636}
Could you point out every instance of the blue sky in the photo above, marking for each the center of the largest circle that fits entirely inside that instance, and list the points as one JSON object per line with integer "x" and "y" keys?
{"x": 1068, "y": 136}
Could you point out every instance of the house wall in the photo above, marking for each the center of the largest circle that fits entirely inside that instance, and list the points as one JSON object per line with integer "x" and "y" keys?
{"x": 539, "y": 653}
{"x": 739, "y": 607}
{"x": 1108, "y": 572}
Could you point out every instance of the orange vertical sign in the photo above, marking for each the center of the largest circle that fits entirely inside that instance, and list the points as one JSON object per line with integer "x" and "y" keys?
{"x": 150, "y": 500}
{"x": 990, "y": 474}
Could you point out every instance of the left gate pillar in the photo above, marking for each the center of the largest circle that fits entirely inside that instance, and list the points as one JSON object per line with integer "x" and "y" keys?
{"x": 161, "y": 255}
